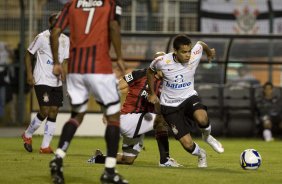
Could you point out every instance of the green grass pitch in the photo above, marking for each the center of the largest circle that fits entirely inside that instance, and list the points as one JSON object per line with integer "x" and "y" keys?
{"x": 19, "y": 166}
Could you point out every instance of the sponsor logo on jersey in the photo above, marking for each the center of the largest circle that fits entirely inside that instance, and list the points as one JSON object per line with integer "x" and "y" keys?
{"x": 179, "y": 78}
{"x": 174, "y": 101}
{"x": 167, "y": 61}
{"x": 49, "y": 62}
{"x": 89, "y": 3}
{"x": 178, "y": 85}
{"x": 144, "y": 93}
{"x": 128, "y": 77}
{"x": 198, "y": 51}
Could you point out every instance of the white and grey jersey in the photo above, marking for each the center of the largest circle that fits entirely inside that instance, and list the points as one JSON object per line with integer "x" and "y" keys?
{"x": 43, "y": 70}
{"x": 178, "y": 78}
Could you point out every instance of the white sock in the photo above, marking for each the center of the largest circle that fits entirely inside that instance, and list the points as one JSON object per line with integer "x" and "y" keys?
{"x": 197, "y": 150}
{"x": 48, "y": 133}
{"x": 206, "y": 132}
{"x": 267, "y": 135}
{"x": 110, "y": 162}
{"x": 33, "y": 126}
{"x": 60, "y": 153}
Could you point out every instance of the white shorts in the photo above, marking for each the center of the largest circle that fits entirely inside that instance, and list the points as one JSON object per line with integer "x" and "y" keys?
{"x": 134, "y": 124}
{"x": 103, "y": 87}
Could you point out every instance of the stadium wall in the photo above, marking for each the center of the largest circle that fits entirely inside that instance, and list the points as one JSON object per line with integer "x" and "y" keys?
{"x": 92, "y": 125}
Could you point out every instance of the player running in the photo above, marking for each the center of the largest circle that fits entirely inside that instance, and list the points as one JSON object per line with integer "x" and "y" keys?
{"x": 179, "y": 101}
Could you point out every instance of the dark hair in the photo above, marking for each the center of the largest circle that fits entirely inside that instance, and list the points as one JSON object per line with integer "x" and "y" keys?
{"x": 267, "y": 84}
{"x": 52, "y": 19}
{"x": 181, "y": 40}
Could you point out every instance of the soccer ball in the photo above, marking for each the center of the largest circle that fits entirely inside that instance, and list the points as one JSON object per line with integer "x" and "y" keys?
{"x": 250, "y": 159}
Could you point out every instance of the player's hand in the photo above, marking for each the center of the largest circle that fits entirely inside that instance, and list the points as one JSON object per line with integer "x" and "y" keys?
{"x": 211, "y": 55}
{"x": 153, "y": 99}
{"x": 122, "y": 67}
{"x": 57, "y": 70}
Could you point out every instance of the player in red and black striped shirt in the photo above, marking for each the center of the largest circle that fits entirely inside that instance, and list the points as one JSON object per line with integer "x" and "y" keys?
{"x": 93, "y": 26}
{"x": 136, "y": 98}
{"x": 138, "y": 116}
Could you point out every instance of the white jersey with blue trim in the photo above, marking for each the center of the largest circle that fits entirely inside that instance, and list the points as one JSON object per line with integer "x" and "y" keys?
{"x": 43, "y": 70}
{"x": 178, "y": 78}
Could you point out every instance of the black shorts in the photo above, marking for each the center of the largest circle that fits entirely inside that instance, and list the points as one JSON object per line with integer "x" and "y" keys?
{"x": 49, "y": 96}
{"x": 180, "y": 118}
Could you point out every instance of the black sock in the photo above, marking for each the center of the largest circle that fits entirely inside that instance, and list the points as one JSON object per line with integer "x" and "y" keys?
{"x": 163, "y": 145}
{"x": 100, "y": 159}
{"x": 110, "y": 170}
{"x": 68, "y": 132}
{"x": 112, "y": 140}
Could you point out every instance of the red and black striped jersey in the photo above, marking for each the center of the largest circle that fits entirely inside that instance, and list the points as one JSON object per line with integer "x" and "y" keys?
{"x": 88, "y": 22}
{"x": 136, "y": 99}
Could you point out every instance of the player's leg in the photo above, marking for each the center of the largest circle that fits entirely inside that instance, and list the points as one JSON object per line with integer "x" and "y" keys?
{"x": 130, "y": 124}
{"x": 42, "y": 95}
{"x": 131, "y": 147}
{"x": 78, "y": 94}
{"x": 32, "y": 127}
{"x": 176, "y": 119}
{"x": 201, "y": 117}
{"x": 56, "y": 101}
{"x": 49, "y": 130}
{"x": 161, "y": 134}
{"x": 104, "y": 88}
{"x": 267, "y": 126}
{"x": 190, "y": 146}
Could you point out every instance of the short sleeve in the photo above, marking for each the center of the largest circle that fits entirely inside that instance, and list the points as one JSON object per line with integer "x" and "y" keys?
{"x": 67, "y": 49}
{"x": 35, "y": 44}
{"x": 155, "y": 64}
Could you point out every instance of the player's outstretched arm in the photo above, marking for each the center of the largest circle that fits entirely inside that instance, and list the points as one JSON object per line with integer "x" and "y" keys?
{"x": 209, "y": 51}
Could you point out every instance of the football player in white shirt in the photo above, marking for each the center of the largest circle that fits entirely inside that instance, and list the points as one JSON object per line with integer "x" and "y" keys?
{"x": 48, "y": 88}
{"x": 179, "y": 100}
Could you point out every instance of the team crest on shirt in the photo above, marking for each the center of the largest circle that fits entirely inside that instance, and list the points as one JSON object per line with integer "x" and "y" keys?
{"x": 174, "y": 129}
{"x": 89, "y": 3}
{"x": 46, "y": 97}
